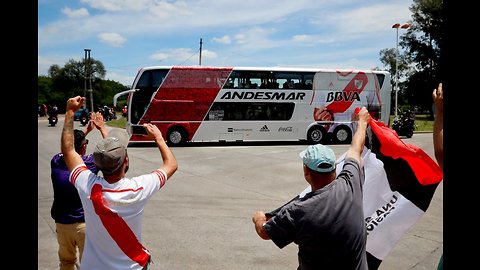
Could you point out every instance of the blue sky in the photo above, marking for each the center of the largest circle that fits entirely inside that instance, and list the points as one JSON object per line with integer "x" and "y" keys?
{"x": 126, "y": 35}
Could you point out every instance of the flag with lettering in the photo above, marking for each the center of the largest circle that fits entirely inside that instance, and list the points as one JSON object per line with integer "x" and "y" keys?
{"x": 400, "y": 181}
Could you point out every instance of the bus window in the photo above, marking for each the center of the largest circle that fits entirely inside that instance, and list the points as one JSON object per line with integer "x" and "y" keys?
{"x": 381, "y": 78}
{"x": 243, "y": 111}
{"x": 216, "y": 114}
{"x": 229, "y": 83}
{"x": 294, "y": 79}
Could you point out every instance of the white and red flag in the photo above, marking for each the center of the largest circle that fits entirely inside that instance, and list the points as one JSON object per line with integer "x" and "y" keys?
{"x": 400, "y": 181}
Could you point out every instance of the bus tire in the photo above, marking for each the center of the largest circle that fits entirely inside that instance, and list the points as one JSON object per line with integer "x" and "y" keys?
{"x": 342, "y": 134}
{"x": 316, "y": 134}
{"x": 176, "y": 136}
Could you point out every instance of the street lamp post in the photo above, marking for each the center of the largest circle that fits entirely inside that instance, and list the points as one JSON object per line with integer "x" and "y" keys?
{"x": 396, "y": 26}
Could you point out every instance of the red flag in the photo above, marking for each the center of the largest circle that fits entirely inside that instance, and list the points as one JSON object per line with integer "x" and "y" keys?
{"x": 425, "y": 169}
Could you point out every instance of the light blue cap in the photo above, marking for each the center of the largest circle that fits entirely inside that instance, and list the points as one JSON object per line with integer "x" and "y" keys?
{"x": 319, "y": 158}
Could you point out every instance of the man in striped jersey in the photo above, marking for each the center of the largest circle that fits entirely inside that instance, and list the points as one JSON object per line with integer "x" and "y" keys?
{"x": 113, "y": 204}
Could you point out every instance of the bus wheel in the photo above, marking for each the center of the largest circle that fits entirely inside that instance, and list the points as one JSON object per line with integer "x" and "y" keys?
{"x": 342, "y": 134}
{"x": 176, "y": 136}
{"x": 316, "y": 134}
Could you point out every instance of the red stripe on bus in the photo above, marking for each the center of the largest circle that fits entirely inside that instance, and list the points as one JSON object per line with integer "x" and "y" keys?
{"x": 183, "y": 85}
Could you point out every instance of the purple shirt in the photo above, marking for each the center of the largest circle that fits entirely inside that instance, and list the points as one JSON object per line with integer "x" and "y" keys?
{"x": 67, "y": 207}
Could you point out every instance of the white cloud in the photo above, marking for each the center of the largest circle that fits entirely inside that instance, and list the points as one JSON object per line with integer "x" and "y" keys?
{"x": 113, "y": 39}
{"x": 182, "y": 56}
{"x": 310, "y": 40}
{"x": 364, "y": 19}
{"x": 119, "y": 5}
{"x": 179, "y": 54}
{"x": 44, "y": 62}
{"x": 125, "y": 80}
{"x": 75, "y": 13}
{"x": 249, "y": 32}
{"x": 257, "y": 38}
{"x": 209, "y": 54}
{"x": 224, "y": 40}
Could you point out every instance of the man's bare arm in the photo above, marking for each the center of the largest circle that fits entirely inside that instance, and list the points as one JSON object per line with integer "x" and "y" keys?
{"x": 169, "y": 165}
{"x": 71, "y": 157}
{"x": 438, "y": 124}
{"x": 258, "y": 220}
{"x": 358, "y": 139}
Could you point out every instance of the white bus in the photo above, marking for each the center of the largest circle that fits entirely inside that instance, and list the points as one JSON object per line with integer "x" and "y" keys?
{"x": 208, "y": 104}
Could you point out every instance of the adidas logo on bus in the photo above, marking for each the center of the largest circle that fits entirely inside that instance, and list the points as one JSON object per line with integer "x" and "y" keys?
{"x": 264, "y": 128}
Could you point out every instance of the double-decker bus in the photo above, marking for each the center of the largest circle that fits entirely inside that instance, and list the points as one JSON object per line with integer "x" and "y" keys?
{"x": 208, "y": 104}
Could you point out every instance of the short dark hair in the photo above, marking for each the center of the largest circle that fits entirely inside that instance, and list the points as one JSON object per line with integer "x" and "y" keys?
{"x": 79, "y": 138}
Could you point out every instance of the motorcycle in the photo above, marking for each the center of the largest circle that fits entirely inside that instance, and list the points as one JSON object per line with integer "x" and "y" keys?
{"x": 84, "y": 118}
{"x": 405, "y": 125}
{"x": 53, "y": 119}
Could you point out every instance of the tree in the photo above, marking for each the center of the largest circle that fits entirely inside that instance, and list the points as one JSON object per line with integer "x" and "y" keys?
{"x": 419, "y": 65}
{"x": 389, "y": 58}
{"x": 69, "y": 80}
{"x": 424, "y": 40}
{"x": 44, "y": 89}
{"x": 105, "y": 90}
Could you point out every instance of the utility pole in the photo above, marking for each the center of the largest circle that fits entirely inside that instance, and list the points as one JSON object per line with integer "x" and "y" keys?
{"x": 88, "y": 67}
{"x": 85, "y": 78}
{"x": 200, "y": 58}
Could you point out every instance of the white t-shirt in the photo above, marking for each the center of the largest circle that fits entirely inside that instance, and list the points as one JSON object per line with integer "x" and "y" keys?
{"x": 113, "y": 216}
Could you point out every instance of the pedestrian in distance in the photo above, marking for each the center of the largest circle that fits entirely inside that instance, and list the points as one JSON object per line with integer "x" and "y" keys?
{"x": 67, "y": 210}
{"x": 114, "y": 204}
{"x": 327, "y": 224}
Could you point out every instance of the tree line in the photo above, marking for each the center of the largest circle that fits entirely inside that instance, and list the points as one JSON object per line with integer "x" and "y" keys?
{"x": 418, "y": 67}
{"x": 77, "y": 78}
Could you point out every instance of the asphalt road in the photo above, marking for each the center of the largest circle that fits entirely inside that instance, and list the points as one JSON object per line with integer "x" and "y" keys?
{"x": 201, "y": 219}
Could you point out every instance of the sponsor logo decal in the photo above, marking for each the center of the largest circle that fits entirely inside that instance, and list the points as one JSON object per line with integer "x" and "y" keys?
{"x": 358, "y": 84}
{"x": 285, "y": 129}
{"x": 239, "y": 129}
{"x": 264, "y": 95}
{"x": 264, "y": 129}
{"x": 343, "y": 96}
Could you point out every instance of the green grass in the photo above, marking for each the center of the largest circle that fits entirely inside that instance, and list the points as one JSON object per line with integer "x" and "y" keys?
{"x": 422, "y": 121}
{"x": 120, "y": 122}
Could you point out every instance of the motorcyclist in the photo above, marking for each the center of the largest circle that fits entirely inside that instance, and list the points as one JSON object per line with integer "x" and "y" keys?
{"x": 84, "y": 116}
{"x": 53, "y": 115}
{"x": 405, "y": 125}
